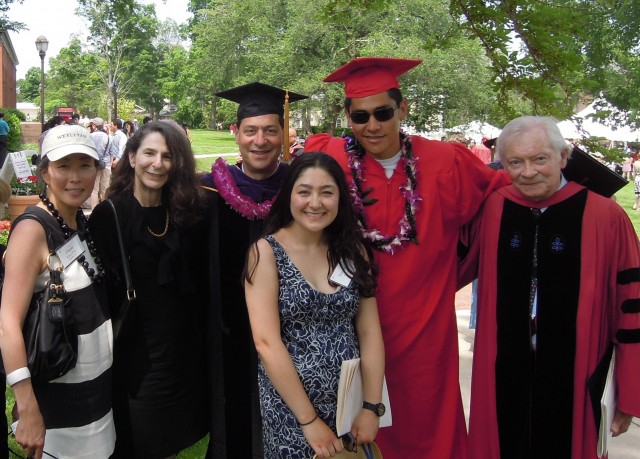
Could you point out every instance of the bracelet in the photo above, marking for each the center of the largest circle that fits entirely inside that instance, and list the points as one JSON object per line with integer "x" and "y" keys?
{"x": 18, "y": 375}
{"x": 307, "y": 423}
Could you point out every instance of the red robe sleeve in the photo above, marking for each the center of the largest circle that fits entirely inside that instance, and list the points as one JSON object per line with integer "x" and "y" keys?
{"x": 474, "y": 182}
{"x": 317, "y": 142}
{"x": 626, "y": 312}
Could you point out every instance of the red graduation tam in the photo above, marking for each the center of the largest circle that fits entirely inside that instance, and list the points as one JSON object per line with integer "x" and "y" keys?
{"x": 366, "y": 76}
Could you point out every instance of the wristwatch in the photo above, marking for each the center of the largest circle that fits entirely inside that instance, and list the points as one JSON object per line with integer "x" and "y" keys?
{"x": 378, "y": 408}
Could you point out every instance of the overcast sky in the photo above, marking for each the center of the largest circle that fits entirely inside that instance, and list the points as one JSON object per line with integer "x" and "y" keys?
{"x": 55, "y": 19}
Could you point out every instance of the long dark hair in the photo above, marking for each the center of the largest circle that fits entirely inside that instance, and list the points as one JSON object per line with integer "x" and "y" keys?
{"x": 182, "y": 193}
{"x": 342, "y": 235}
{"x": 132, "y": 128}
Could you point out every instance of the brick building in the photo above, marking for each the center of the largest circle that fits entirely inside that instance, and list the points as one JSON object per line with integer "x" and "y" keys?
{"x": 8, "y": 63}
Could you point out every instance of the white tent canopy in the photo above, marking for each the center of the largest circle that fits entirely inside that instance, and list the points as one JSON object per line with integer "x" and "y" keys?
{"x": 476, "y": 130}
{"x": 582, "y": 125}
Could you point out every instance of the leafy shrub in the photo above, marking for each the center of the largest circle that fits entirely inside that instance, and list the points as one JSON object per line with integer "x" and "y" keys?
{"x": 13, "y": 117}
{"x": 191, "y": 114}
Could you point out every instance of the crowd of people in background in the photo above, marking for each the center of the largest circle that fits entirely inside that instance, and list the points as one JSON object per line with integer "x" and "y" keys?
{"x": 110, "y": 141}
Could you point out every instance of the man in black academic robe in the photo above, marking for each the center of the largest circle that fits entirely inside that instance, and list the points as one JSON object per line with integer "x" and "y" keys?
{"x": 241, "y": 196}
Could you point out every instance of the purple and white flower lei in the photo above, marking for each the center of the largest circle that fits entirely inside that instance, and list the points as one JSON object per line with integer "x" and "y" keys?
{"x": 232, "y": 195}
{"x": 406, "y": 225}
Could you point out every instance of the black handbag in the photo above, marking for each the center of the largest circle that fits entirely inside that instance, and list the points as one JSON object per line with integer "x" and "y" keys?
{"x": 49, "y": 330}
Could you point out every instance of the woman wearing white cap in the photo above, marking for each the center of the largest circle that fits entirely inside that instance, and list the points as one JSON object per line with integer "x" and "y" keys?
{"x": 69, "y": 416}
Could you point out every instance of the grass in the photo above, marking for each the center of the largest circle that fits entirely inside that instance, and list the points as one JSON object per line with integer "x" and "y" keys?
{"x": 204, "y": 141}
{"x": 626, "y": 198}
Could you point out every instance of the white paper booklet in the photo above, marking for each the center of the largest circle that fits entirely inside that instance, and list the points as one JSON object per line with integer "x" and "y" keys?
{"x": 351, "y": 396}
{"x": 608, "y": 405}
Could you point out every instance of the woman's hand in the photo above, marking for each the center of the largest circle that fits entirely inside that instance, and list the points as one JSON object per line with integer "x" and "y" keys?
{"x": 322, "y": 439}
{"x": 365, "y": 427}
{"x": 31, "y": 430}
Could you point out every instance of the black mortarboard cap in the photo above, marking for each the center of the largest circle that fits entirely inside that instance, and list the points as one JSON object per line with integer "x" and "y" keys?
{"x": 255, "y": 99}
{"x": 489, "y": 143}
{"x": 591, "y": 173}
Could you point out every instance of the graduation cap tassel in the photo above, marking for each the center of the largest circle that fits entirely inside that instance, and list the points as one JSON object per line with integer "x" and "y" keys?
{"x": 287, "y": 154}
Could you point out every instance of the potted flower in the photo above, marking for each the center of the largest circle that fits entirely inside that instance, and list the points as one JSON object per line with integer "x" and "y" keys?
{"x": 5, "y": 227}
{"x": 24, "y": 193}
{"x": 27, "y": 186}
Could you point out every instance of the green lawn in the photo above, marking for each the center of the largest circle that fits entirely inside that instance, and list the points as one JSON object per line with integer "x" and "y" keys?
{"x": 626, "y": 198}
{"x": 205, "y": 141}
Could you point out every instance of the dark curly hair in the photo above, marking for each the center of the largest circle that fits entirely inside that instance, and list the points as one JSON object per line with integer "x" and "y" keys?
{"x": 182, "y": 193}
{"x": 343, "y": 236}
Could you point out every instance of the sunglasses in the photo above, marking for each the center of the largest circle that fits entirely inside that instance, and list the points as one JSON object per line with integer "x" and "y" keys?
{"x": 349, "y": 442}
{"x": 380, "y": 114}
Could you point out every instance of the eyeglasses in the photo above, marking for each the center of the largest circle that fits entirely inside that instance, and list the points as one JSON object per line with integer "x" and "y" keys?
{"x": 380, "y": 114}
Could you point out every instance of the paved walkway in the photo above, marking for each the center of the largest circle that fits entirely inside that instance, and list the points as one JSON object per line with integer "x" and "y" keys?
{"x": 626, "y": 446}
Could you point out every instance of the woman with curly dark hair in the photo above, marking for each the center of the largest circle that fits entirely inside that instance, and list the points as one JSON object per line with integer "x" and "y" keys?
{"x": 158, "y": 397}
{"x": 129, "y": 129}
{"x": 310, "y": 287}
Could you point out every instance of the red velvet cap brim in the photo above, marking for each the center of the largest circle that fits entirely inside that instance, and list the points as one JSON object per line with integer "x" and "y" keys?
{"x": 366, "y": 76}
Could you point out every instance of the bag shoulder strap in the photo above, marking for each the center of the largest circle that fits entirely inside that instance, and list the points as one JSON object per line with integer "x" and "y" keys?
{"x": 36, "y": 217}
{"x": 131, "y": 291}
{"x": 106, "y": 147}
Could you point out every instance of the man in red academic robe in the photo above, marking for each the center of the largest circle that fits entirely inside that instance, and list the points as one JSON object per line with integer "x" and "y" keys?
{"x": 413, "y": 195}
{"x": 559, "y": 289}
{"x": 482, "y": 152}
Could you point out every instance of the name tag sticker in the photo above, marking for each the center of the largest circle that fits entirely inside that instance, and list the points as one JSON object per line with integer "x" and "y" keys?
{"x": 340, "y": 277}
{"x": 70, "y": 250}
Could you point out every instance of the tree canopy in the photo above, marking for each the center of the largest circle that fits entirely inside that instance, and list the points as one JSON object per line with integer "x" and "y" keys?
{"x": 482, "y": 60}
{"x": 29, "y": 86}
{"x": 5, "y": 22}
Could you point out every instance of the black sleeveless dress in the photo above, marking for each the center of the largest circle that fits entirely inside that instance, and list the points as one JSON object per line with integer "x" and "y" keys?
{"x": 159, "y": 389}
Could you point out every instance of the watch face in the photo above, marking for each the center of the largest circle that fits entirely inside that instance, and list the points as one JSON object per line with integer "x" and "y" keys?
{"x": 380, "y": 409}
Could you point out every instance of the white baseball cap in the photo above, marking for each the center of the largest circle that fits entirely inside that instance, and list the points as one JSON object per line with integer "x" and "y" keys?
{"x": 67, "y": 139}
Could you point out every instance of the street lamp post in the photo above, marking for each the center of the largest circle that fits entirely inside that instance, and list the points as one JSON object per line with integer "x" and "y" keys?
{"x": 41, "y": 45}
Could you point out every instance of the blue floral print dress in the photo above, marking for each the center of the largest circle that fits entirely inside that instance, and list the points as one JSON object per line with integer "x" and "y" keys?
{"x": 319, "y": 333}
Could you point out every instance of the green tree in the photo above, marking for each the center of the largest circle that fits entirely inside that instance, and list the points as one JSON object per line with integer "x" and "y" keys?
{"x": 73, "y": 78}
{"x": 217, "y": 52}
{"x": 13, "y": 137}
{"x": 544, "y": 56}
{"x": 120, "y": 39}
{"x": 295, "y": 46}
{"x": 555, "y": 52}
{"x": 159, "y": 67}
{"x": 29, "y": 86}
{"x": 5, "y": 22}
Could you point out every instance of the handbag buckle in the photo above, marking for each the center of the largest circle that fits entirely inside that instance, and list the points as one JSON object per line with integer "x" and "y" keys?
{"x": 131, "y": 294}
{"x": 56, "y": 309}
